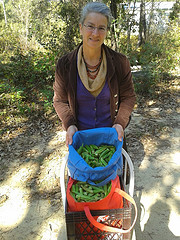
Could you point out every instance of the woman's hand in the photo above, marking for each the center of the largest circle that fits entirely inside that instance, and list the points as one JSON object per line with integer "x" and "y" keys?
{"x": 119, "y": 130}
{"x": 69, "y": 134}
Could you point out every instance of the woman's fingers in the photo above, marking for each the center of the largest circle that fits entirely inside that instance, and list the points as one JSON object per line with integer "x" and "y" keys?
{"x": 69, "y": 134}
{"x": 119, "y": 130}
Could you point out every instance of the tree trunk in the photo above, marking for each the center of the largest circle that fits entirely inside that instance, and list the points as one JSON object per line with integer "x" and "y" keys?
{"x": 142, "y": 24}
{"x": 5, "y": 18}
{"x": 151, "y": 15}
{"x": 130, "y": 23}
{"x": 113, "y": 7}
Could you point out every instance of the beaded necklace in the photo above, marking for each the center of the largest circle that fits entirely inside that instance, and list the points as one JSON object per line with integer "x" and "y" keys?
{"x": 92, "y": 71}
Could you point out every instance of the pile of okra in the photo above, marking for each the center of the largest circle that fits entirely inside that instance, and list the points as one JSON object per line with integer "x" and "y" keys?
{"x": 84, "y": 192}
{"x": 96, "y": 156}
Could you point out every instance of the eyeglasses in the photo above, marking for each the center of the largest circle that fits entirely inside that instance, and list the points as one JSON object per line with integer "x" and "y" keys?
{"x": 92, "y": 28}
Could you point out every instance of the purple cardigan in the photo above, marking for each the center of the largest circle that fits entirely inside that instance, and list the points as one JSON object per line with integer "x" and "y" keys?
{"x": 93, "y": 112}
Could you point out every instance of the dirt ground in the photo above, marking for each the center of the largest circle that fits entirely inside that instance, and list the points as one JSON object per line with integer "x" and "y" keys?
{"x": 31, "y": 153}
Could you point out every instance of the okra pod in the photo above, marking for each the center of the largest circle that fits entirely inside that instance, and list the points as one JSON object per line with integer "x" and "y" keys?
{"x": 105, "y": 190}
{"x": 104, "y": 152}
{"x": 87, "y": 189}
{"x": 85, "y": 149}
{"x": 80, "y": 149}
{"x": 76, "y": 188}
{"x": 94, "y": 147}
{"x": 104, "y": 163}
{"x": 73, "y": 187}
{"x": 83, "y": 197}
{"x": 81, "y": 190}
{"x": 109, "y": 188}
{"x": 88, "y": 148}
{"x": 100, "y": 150}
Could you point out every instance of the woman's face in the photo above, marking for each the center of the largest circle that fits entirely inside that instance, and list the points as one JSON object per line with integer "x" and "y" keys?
{"x": 94, "y": 30}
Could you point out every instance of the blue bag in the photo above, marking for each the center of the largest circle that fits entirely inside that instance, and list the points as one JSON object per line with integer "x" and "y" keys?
{"x": 81, "y": 171}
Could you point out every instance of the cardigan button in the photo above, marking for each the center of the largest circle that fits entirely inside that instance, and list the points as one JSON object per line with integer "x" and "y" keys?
{"x": 116, "y": 103}
{"x": 115, "y": 95}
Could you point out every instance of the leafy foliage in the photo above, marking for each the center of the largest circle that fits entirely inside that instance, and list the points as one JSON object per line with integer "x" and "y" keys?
{"x": 159, "y": 55}
{"x": 176, "y": 10}
{"x": 37, "y": 33}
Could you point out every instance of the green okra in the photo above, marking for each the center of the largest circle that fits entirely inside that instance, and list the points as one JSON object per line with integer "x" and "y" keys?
{"x": 109, "y": 188}
{"x": 85, "y": 150}
{"x": 96, "y": 164}
{"x": 96, "y": 156}
{"x": 87, "y": 189}
{"x": 84, "y": 154}
{"x": 75, "y": 192}
{"x": 73, "y": 187}
{"x": 90, "y": 194}
{"x": 112, "y": 148}
{"x": 108, "y": 156}
{"x": 87, "y": 155}
{"x": 104, "y": 163}
{"x": 88, "y": 148}
{"x": 94, "y": 147}
{"x": 105, "y": 190}
{"x": 80, "y": 149}
{"x": 100, "y": 150}
{"x": 104, "y": 152}
{"x": 82, "y": 191}
{"x": 97, "y": 189}
{"x": 76, "y": 188}
{"x": 109, "y": 153}
{"x": 80, "y": 182}
{"x": 84, "y": 197}
{"x": 73, "y": 195}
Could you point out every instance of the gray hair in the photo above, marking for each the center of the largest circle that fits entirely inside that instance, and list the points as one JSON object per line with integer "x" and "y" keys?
{"x": 96, "y": 7}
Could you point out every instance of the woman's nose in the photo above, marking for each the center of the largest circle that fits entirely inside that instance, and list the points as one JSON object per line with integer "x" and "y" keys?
{"x": 96, "y": 31}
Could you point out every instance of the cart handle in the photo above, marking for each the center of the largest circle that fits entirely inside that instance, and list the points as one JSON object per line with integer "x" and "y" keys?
{"x": 131, "y": 168}
{"x": 62, "y": 180}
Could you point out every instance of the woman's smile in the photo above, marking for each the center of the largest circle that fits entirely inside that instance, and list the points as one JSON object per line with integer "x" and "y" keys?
{"x": 94, "y": 40}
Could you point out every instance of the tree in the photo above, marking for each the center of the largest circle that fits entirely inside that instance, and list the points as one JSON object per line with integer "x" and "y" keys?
{"x": 151, "y": 17}
{"x": 130, "y": 21}
{"x": 176, "y": 11}
{"x": 142, "y": 24}
{"x": 4, "y": 10}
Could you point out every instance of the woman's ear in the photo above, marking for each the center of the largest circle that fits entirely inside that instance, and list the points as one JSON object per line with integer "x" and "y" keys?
{"x": 80, "y": 28}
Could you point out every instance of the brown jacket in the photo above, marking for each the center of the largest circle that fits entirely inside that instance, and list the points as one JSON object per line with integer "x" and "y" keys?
{"x": 120, "y": 83}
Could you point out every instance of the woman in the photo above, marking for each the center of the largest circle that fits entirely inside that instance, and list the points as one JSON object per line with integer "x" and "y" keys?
{"x": 93, "y": 84}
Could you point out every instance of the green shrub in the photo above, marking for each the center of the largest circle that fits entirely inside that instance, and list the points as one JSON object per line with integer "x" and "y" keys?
{"x": 159, "y": 55}
{"x": 30, "y": 71}
{"x": 26, "y": 83}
